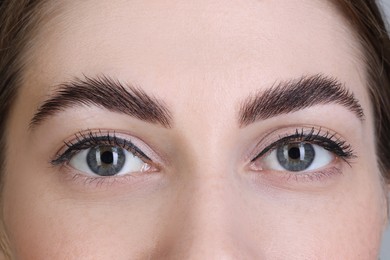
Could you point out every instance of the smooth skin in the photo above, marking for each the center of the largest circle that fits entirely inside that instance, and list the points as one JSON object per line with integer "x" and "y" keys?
{"x": 202, "y": 59}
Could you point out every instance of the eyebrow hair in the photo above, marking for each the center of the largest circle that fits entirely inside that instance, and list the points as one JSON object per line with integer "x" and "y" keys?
{"x": 107, "y": 93}
{"x": 291, "y": 96}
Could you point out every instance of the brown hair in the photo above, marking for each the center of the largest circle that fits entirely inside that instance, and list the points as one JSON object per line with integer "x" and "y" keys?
{"x": 365, "y": 18}
{"x": 17, "y": 22}
{"x": 20, "y": 19}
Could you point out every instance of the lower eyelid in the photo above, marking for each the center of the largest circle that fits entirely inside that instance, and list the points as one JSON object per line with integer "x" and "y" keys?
{"x": 314, "y": 181}
{"x": 316, "y": 175}
{"x": 81, "y": 181}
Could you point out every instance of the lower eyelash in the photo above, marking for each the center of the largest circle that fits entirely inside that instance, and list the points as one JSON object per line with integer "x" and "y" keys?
{"x": 99, "y": 181}
{"x": 312, "y": 176}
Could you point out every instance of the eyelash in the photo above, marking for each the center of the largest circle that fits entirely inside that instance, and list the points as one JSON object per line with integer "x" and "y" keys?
{"x": 327, "y": 140}
{"x": 90, "y": 139}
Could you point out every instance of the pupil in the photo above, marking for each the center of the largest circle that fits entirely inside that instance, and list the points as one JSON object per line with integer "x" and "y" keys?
{"x": 294, "y": 153}
{"x": 107, "y": 157}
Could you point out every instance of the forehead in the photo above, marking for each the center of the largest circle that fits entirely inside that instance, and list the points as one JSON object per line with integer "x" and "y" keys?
{"x": 223, "y": 44}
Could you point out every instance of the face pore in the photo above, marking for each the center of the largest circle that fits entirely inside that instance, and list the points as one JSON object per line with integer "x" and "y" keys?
{"x": 202, "y": 199}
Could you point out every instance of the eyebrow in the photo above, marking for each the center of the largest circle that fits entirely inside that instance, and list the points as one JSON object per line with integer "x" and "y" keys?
{"x": 106, "y": 93}
{"x": 291, "y": 96}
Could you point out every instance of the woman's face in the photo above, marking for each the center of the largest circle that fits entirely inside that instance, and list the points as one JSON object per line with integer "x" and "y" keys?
{"x": 193, "y": 130}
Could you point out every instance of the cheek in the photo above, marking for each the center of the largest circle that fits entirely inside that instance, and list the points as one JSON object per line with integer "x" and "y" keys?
{"x": 47, "y": 227}
{"x": 46, "y": 222}
{"x": 43, "y": 224}
{"x": 346, "y": 225}
{"x": 61, "y": 230}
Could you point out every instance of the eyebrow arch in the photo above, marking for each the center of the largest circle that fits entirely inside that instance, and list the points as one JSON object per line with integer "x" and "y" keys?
{"x": 291, "y": 96}
{"x": 107, "y": 93}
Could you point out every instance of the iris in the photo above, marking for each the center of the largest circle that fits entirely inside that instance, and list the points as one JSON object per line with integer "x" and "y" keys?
{"x": 106, "y": 160}
{"x": 296, "y": 156}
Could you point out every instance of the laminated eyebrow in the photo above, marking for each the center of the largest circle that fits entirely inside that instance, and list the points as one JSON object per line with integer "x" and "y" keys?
{"x": 107, "y": 93}
{"x": 291, "y": 96}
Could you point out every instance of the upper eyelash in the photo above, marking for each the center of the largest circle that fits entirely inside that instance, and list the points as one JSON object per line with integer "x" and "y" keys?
{"x": 90, "y": 139}
{"x": 326, "y": 140}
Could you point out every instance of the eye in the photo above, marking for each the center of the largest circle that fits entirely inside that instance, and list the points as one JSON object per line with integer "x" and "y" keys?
{"x": 102, "y": 154}
{"x": 306, "y": 150}
{"x": 107, "y": 160}
{"x": 297, "y": 157}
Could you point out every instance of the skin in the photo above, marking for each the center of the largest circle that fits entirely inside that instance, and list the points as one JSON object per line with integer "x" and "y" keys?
{"x": 202, "y": 59}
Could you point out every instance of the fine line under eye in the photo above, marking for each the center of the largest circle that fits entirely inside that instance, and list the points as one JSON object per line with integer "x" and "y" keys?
{"x": 325, "y": 139}
{"x": 83, "y": 141}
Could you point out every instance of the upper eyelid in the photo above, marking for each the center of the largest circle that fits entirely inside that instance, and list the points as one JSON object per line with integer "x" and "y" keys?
{"x": 301, "y": 136}
{"x": 97, "y": 138}
{"x": 114, "y": 141}
{"x": 273, "y": 145}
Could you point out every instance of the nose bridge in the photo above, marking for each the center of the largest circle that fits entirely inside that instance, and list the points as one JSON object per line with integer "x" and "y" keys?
{"x": 212, "y": 200}
{"x": 210, "y": 186}
{"x": 212, "y": 221}
{"x": 210, "y": 209}
{"x": 209, "y": 230}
